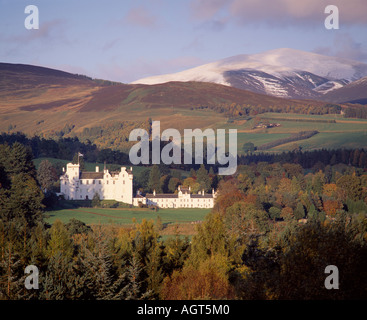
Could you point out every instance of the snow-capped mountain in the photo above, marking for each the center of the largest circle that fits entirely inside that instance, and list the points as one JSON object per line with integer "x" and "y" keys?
{"x": 281, "y": 72}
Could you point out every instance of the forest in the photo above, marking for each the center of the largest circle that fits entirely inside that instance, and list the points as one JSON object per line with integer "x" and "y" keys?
{"x": 274, "y": 229}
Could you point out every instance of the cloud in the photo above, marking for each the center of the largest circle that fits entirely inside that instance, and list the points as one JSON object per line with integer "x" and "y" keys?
{"x": 207, "y": 9}
{"x": 141, "y": 68}
{"x": 344, "y": 46}
{"x": 140, "y": 16}
{"x": 280, "y": 12}
{"x": 47, "y": 30}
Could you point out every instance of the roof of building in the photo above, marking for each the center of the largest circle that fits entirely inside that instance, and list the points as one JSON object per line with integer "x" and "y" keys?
{"x": 91, "y": 175}
{"x": 209, "y": 195}
{"x": 161, "y": 195}
{"x": 98, "y": 175}
{"x": 173, "y": 195}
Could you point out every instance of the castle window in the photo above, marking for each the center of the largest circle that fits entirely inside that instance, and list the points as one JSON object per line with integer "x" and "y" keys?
{"x": 94, "y": 181}
{"x": 107, "y": 181}
{"x": 123, "y": 182}
{"x": 81, "y": 181}
{"x": 113, "y": 181}
{"x": 99, "y": 181}
{"x": 87, "y": 181}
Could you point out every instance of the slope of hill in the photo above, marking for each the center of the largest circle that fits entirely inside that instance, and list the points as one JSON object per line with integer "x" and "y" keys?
{"x": 354, "y": 92}
{"x": 35, "y": 99}
{"x": 281, "y": 72}
{"x": 52, "y": 103}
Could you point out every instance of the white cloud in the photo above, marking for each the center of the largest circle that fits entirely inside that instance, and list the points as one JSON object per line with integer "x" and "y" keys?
{"x": 280, "y": 12}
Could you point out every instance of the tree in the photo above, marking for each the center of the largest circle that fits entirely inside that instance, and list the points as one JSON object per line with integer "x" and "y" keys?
{"x": 228, "y": 194}
{"x": 351, "y": 185}
{"x": 46, "y": 175}
{"x": 21, "y": 198}
{"x": 142, "y": 180}
{"x": 203, "y": 179}
{"x": 299, "y": 212}
{"x": 244, "y": 220}
{"x": 310, "y": 249}
{"x": 59, "y": 242}
{"x": 79, "y": 160}
{"x": 274, "y": 213}
{"x": 248, "y": 147}
{"x": 208, "y": 281}
{"x": 155, "y": 179}
{"x": 173, "y": 184}
{"x": 96, "y": 201}
{"x": 211, "y": 239}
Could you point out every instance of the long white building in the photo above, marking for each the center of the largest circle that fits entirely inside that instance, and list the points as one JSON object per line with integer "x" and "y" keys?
{"x": 118, "y": 185}
{"x": 182, "y": 199}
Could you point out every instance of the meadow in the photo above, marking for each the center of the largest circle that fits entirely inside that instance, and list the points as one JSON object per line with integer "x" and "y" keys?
{"x": 184, "y": 219}
{"x": 340, "y": 133}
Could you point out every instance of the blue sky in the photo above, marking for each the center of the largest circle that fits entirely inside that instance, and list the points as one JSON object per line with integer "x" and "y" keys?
{"x": 125, "y": 40}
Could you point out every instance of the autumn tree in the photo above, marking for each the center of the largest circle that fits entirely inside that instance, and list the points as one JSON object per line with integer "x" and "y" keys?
{"x": 228, "y": 194}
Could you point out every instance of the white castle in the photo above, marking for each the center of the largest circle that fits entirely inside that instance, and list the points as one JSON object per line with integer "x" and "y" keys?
{"x": 118, "y": 185}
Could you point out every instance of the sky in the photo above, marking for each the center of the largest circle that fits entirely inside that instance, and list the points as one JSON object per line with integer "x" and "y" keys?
{"x": 125, "y": 40}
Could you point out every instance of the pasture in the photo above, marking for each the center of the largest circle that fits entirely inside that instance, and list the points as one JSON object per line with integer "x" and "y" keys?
{"x": 185, "y": 219}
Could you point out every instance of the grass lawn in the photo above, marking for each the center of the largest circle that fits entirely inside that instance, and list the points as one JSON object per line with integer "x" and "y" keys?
{"x": 122, "y": 216}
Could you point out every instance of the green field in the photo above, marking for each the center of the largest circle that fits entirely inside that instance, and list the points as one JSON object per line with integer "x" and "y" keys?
{"x": 344, "y": 133}
{"x": 94, "y": 216}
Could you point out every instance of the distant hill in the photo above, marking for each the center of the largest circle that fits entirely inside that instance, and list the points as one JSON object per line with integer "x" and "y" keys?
{"x": 54, "y": 103}
{"x": 26, "y": 89}
{"x": 354, "y": 92}
{"x": 283, "y": 72}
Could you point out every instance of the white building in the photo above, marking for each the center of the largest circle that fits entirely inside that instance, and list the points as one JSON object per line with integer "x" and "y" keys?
{"x": 182, "y": 199}
{"x": 78, "y": 185}
{"x": 83, "y": 185}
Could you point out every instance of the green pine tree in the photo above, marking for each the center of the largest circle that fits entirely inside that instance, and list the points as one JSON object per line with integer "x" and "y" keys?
{"x": 155, "y": 180}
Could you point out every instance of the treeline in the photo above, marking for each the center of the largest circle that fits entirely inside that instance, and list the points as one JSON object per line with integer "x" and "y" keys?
{"x": 273, "y": 231}
{"x": 318, "y": 159}
{"x": 294, "y": 137}
{"x": 356, "y": 112}
{"x": 297, "y": 120}
{"x": 113, "y": 135}
{"x": 236, "y": 110}
{"x": 65, "y": 148}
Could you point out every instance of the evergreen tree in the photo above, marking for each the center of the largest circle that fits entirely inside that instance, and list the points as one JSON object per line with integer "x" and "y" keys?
{"x": 46, "y": 175}
{"x": 11, "y": 274}
{"x": 20, "y": 195}
{"x": 96, "y": 201}
{"x": 59, "y": 242}
{"x": 155, "y": 180}
{"x": 203, "y": 179}
{"x": 299, "y": 212}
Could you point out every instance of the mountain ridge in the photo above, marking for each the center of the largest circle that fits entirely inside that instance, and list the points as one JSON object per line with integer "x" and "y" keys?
{"x": 281, "y": 72}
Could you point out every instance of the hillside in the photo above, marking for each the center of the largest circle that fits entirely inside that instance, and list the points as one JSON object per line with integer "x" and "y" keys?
{"x": 53, "y": 104}
{"x": 39, "y": 100}
{"x": 354, "y": 92}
